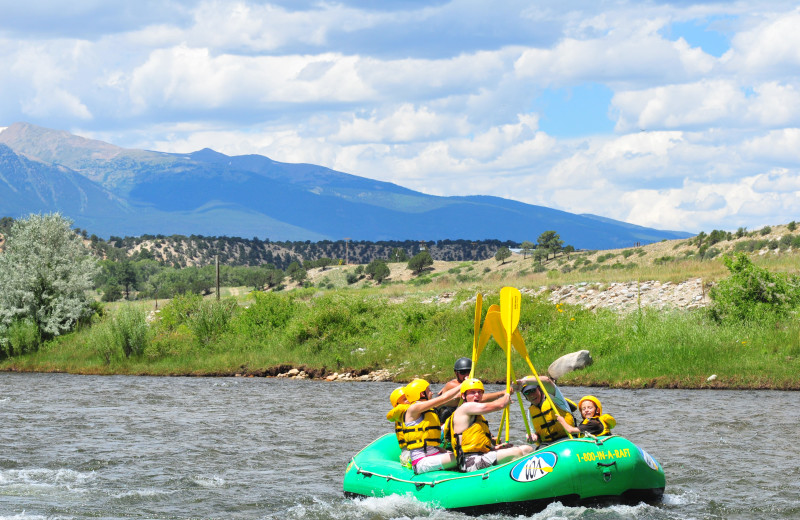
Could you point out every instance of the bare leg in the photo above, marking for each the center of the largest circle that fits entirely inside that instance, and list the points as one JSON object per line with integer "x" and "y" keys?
{"x": 508, "y": 454}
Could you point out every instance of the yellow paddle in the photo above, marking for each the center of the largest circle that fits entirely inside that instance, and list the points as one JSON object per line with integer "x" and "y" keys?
{"x": 476, "y": 333}
{"x": 493, "y": 327}
{"x": 510, "y": 299}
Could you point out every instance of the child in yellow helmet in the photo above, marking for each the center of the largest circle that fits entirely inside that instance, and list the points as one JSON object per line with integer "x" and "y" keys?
{"x": 395, "y": 415}
{"x": 422, "y": 428}
{"x": 595, "y": 422}
{"x": 472, "y": 440}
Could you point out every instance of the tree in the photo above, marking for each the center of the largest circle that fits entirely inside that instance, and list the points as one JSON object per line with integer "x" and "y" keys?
{"x": 378, "y": 270}
{"x": 420, "y": 261}
{"x": 568, "y": 250}
{"x": 44, "y": 275}
{"x": 550, "y": 242}
{"x": 502, "y": 254}
{"x": 398, "y": 255}
{"x": 296, "y": 272}
{"x": 527, "y": 248}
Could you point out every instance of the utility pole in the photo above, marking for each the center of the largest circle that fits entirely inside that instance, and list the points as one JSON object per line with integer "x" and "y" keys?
{"x": 346, "y": 250}
{"x": 216, "y": 261}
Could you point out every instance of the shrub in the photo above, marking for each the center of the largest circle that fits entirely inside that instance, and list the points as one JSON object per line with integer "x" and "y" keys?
{"x": 420, "y": 261}
{"x": 766, "y": 230}
{"x": 267, "y": 313}
{"x": 333, "y": 322}
{"x": 379, "y": 271}
{"x": 129, "y": 330}
{"x": 626, "y": 253}
{"x": 179, "y": 310}
{"x": 661, "y": 260}
{"x": 791, "y": 226}
{"x": 753, "y": 293}
{"x": 22, "y": 337}
{"x": 211, "y": 319}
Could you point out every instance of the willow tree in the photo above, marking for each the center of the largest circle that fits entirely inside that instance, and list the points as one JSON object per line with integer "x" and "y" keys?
{"x": 45, "y": 273}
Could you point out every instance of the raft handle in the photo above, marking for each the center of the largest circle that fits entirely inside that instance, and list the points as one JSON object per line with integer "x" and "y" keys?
{"x": 365, "y": 473}
{"x": 607, "y": 473}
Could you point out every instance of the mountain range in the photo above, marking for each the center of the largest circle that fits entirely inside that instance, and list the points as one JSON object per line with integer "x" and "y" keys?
{"x": 109, "y": 190}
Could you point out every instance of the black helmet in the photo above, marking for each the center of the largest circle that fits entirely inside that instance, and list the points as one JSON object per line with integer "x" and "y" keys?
{"x": 463, "y": 363}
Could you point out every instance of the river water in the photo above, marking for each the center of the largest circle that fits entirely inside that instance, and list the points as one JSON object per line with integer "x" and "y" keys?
{"x": 256, "y": 448}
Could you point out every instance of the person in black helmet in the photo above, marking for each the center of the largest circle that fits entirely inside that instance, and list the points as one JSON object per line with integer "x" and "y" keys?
{"x": 461, "y": 368}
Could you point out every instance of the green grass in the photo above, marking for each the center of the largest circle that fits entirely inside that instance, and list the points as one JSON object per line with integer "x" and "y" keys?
{"x": 368, "y": 329}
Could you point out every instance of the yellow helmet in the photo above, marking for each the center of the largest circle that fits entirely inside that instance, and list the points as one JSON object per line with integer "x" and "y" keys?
{"x": 397, "y": 393}
{"x": 471, "y": 384}
{"x": 594, "y": 400}
{"x": 414, "y": 390}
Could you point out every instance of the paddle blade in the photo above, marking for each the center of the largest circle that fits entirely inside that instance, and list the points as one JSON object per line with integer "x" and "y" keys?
{"x": 492, "y": 328}
{"x": 510, "y": 300}
{"x": 519, "y": 343}
{"x": 476, "y": 332}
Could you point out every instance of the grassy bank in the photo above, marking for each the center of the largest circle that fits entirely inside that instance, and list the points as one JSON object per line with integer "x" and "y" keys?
{"x": 367, "y": 329}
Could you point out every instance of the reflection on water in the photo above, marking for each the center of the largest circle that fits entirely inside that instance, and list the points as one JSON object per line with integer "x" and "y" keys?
{"x": 245, "y": 448}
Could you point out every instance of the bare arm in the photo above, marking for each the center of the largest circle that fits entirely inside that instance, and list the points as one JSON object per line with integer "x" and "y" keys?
{"x": 546, "y": 381}
{"x": 568, "y": 427}
{"x": 484, "y": 407}
{"x": 416, "y": 409}
{"x": 493, "y": 396}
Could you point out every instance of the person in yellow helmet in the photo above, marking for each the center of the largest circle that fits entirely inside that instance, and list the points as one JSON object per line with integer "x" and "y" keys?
{"x": 395, "y": 415}
{"x": 472, "y": 440}
{"x": 422, "y": 430}
{"x": 461, "y": 370}
{"x": 544, "y": 421}
{"x": 595, "y": 422}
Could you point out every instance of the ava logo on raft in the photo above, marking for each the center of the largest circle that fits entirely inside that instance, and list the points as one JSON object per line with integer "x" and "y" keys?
{"x": 535, "y": 467}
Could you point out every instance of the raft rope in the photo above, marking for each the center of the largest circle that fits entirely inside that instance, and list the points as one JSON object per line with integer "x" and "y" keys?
{"x": 483, "y": 474}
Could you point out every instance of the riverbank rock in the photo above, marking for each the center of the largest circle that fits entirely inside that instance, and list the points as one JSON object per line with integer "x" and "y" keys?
{"x": 629, "y": 296}
{"x": 569, "y": 362}
{"x": 299, "y": 373}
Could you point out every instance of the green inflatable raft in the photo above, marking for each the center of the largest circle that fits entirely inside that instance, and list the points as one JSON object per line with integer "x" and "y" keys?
{"x": 608, "y": 469}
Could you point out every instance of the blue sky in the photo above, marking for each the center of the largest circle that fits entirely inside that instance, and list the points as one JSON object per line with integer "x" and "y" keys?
{"x": 681, "y": 115}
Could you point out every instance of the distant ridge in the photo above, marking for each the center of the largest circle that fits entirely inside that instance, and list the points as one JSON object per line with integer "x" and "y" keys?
{"x": 110, "y": 190}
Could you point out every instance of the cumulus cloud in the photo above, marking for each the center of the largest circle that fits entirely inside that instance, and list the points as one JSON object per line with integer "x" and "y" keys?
{"x": 441, "y": 97}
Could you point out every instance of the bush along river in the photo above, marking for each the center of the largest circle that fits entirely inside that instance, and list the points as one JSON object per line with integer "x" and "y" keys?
{"x": 116, "y": 447}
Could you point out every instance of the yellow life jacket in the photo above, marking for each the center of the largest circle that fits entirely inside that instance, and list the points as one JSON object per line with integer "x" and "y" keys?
{"x": 396, "y": 415}
{"x": 604, "y": 420}
{"x": 427, "y": 432}
{"x": 544, "y": 422}
{"x": 477, "y": 438}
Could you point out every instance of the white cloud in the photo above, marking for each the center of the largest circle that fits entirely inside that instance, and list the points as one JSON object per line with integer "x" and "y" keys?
{"x": 776, "y": 146}
{"x": 779, "y": 180}
{"x": 452, "y": 109}
{"x": 186, "y": 78}
{"x": 624, "y": 54}
{"x": 405, "y": 123}
{"x": 701, "y": 104}
{"x": 770, "y": 47}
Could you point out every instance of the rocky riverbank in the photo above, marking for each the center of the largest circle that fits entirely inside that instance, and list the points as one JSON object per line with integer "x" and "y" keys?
{"x": 629, "y": 296}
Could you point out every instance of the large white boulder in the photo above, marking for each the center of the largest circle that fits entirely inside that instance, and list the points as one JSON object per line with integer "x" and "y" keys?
{"x": 569, "y": 362}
